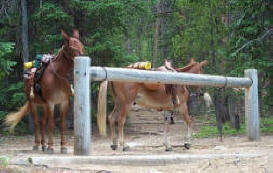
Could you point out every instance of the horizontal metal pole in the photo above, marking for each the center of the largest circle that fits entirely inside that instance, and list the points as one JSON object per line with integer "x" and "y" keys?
{"x": 134, "y": 75}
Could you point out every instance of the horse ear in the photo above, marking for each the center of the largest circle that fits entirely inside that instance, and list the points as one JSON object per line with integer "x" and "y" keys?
{"x": 192, "y": 60}
{"x": 203, "y": 63}
{"x": 65, "y": 36}
{"x": 167, "y": 62}
{"x": 76, "y": 34}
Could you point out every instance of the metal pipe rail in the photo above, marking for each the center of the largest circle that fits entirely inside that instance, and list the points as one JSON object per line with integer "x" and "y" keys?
{"x": 134, "y": 75}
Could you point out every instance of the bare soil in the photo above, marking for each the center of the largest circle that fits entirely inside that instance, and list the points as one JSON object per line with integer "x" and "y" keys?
{"x": 144, "y": 135}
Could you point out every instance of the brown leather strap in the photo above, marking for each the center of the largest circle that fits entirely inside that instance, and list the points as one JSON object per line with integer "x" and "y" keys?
{"x": 31, "y": 78}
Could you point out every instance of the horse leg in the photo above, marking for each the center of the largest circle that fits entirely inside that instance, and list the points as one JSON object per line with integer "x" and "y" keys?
{"x": 171, "y": 118}
{"x": 37, "y": 126}
{"x": 43, "y": 123}
{"x": 50, "y": 125}
{"x": 183, "y": 108}
{"x": 112, "y": 119}
{"x": 63, "y": 108}
{"x": 121, "y": 121}
{"x": 166, "y": 142}
{"x": 219, "y": 122}
{"x": 218, "y": 113}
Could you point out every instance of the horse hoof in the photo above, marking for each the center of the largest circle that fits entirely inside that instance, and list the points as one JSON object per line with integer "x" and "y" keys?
{"x": 172, "y": 120}
{"x": 50, "y": 150}
{"x": 43, "y": 148}
{"x": 114, "y": 146}
{"x": 63, "y": 150}
{"x": 126, "y": 148}
{"x": 168, "y": 149}
{"x": 35, "y": 148}
{"x": 187, "y": 145}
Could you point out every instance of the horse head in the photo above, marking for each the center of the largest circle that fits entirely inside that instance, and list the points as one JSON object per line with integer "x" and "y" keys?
{"x": 196, "y": 68}
{"x": 193, "y": 67}
{"x": 73, "y": 44}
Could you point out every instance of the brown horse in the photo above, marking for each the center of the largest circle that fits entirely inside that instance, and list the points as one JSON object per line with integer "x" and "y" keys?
{"x": 125, "y": 94}
{"x": 55, "y": 90}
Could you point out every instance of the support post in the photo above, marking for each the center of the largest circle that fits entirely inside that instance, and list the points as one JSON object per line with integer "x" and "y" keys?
{"x": 251, "y": 106}
{"x": 82, "y": 120}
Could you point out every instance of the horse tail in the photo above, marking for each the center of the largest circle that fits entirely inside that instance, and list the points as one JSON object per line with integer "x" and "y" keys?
{"x": 12, "y": 119}
{"x": 102, "y": 104}
{"x": 207, "y": 99}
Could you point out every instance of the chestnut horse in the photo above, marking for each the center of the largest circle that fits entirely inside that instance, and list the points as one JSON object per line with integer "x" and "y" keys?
{"x": 125, "y": 94}
{"x": 55, "y": 90}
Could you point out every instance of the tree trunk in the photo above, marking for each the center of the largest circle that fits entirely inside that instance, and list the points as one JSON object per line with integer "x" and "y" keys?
{"x": 25, "y": 51}
{"x": 155, "y": 50}
{"x": 231, "y": 109}
{"x": 128, "y": 44}
{"x": 164, "y": 9}
{"x": 139, "y": 38}
{"x": 260, "y": 95}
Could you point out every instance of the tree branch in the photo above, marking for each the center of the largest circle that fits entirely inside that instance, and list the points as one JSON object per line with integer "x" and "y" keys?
{"x": 267, "y": 34}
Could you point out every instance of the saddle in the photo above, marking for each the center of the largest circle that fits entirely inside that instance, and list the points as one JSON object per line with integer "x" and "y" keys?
{"x": 166, "y": 68}
{"x": 169, "y": 88}
{"x": 34, "y": 78}
{"x": 37, "y": 77}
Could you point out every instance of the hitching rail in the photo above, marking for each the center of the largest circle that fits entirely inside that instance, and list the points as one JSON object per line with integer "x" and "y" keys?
{"x": 84, "y": 74}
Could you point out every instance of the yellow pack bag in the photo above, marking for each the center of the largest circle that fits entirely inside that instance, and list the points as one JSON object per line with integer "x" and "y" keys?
{"x": 147, "y": 65}
{"x": 28, "y": 65}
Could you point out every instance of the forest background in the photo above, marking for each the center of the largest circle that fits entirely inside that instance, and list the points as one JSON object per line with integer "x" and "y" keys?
{"x": 232, "y": 35}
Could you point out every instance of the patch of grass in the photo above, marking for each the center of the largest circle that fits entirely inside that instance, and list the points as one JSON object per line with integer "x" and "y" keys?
{"x": 4, "y": 161}
{"x": 210, "y": 129}
{"x": 206, "y": 131}
{"x": 205, "y": 119}
{"x": 266, "y": 124}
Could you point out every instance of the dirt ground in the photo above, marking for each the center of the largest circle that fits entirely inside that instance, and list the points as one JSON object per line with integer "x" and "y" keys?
{"x": 144, "y": 132}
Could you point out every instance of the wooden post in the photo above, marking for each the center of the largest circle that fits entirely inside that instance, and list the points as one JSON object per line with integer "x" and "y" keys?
{"x": 82, "y": 120}
{"x": 251, "y": 106}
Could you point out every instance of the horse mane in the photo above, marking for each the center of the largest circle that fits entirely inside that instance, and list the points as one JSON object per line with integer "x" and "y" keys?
{"x": 186, "y": 68}
{"x": 59, "y": 54}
